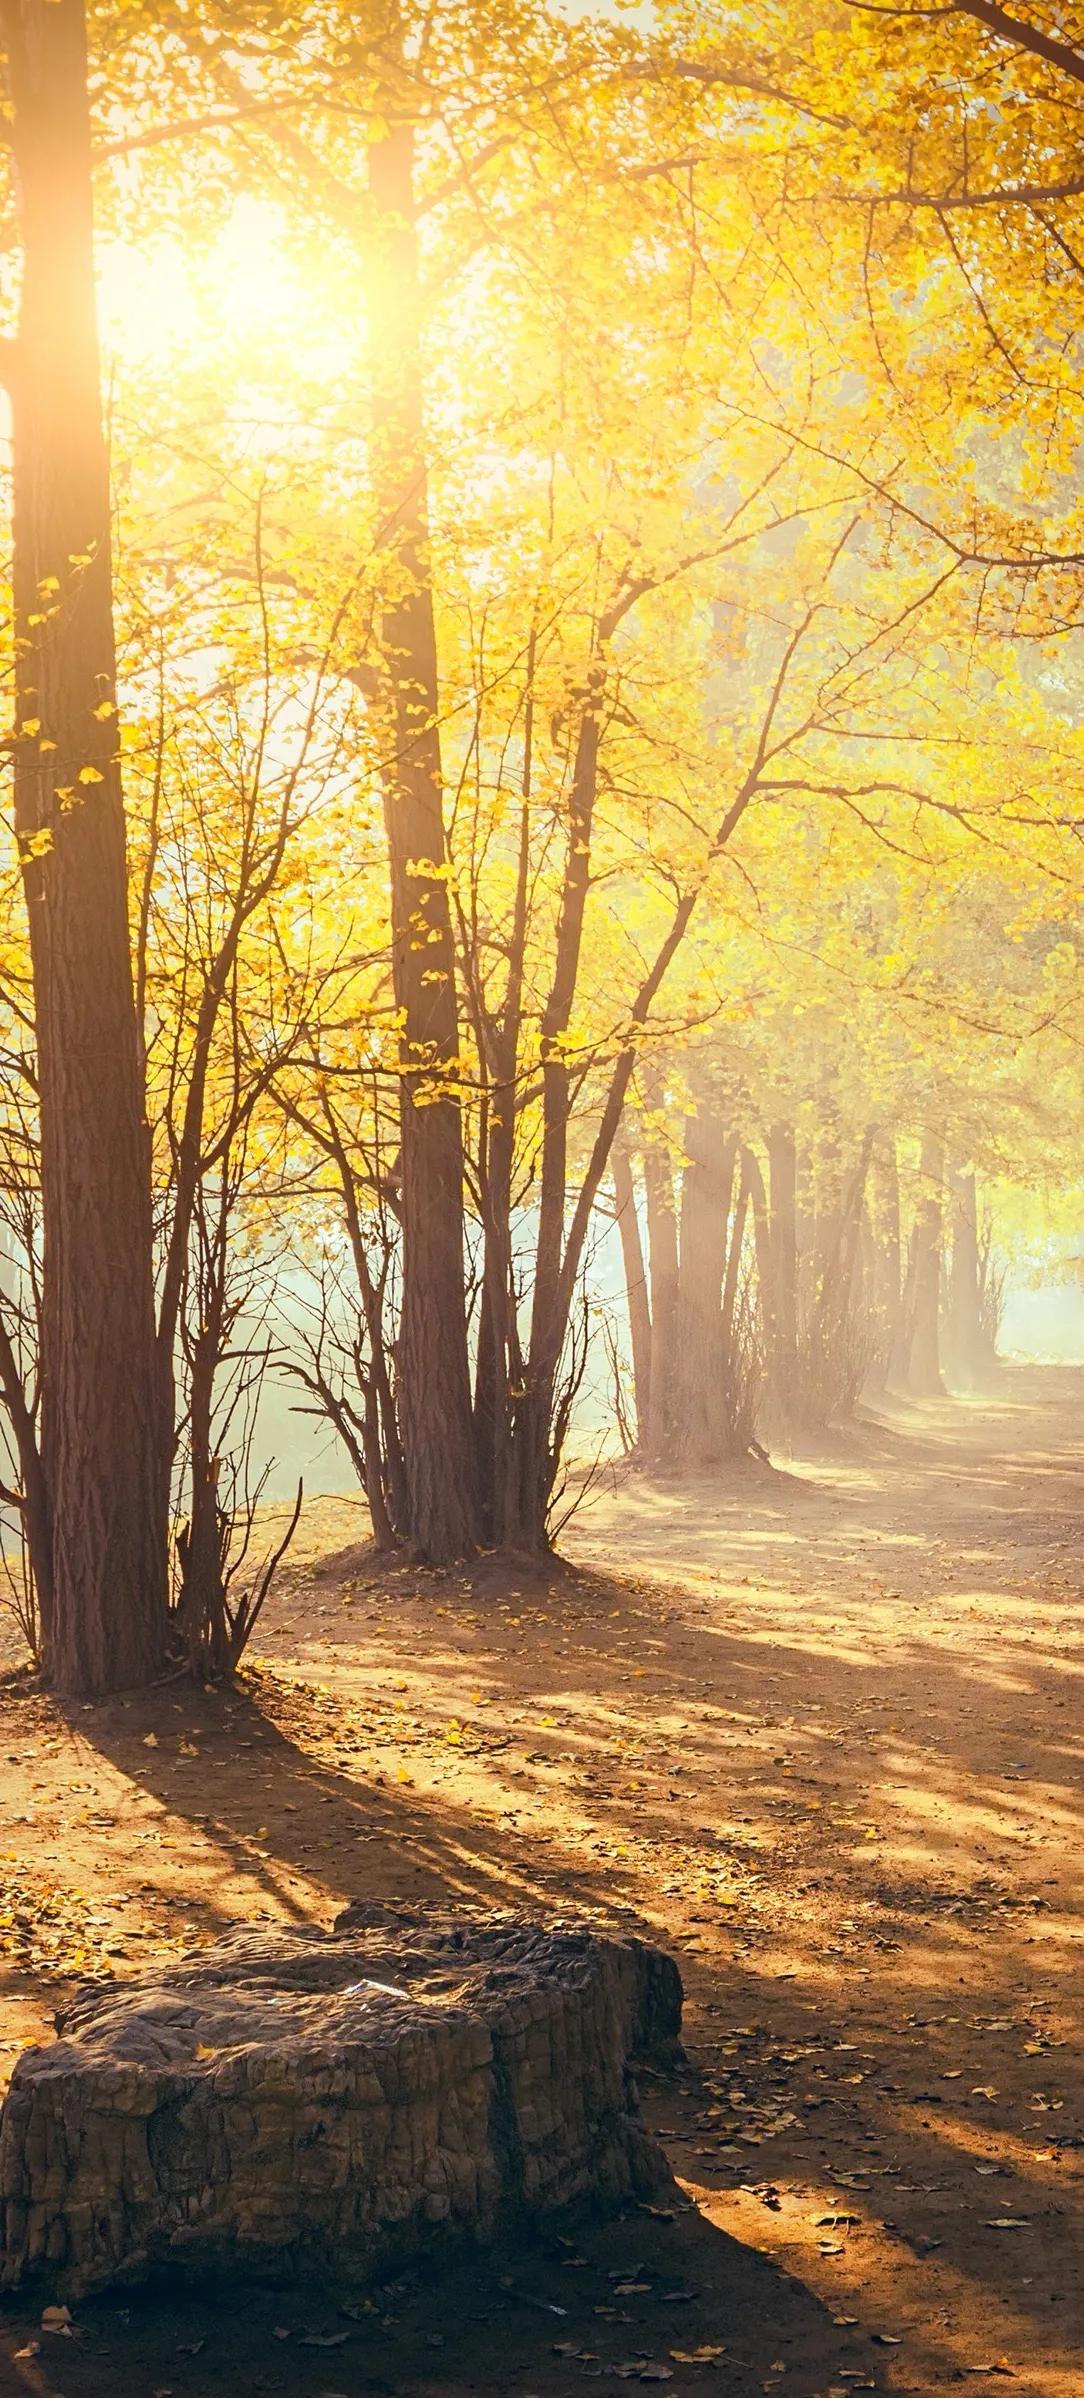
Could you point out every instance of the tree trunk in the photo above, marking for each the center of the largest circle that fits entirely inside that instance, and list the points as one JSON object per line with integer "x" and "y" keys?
{"x": 924, "y": 1360}
{"x": 705, "y": 1213}
{"x": 733, "y": 1264}
{"x": 636, "y": 1290}
{"x": 762, "y": 1248}
{"x": 535, "y": 1451}
{"x": 34, "y": 1493}
{"x": 499, "y": 1364}
{"x": 663, "y": 1252}
{"x": 202, "y": 1608}
{"x": 887, "y": 1263}
{"x": 828, "y": 1197}
{"x": 383, "y": 1468}
{"x": 499, "y": 1375}
{"x": 967, "y": 1347}
{"x": 105, "y": 1618}
{"x": 782, "y": 1314}
{"x": 433, "y": 1376}
{"x": 839, "y": 1260}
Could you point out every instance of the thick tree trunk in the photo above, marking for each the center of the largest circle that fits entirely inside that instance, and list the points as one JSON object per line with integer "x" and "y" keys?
{"x": 700, "y": 1431}
{"x": 636, "y": 1287}
{"x": 433, "y": 1375}
{"x": 662, "y": 1241}
{"x": 105, "y": 1616}
{"x": 886, "y": 1279}
{"x": 828, "y": 1182}
{"x": 762, "y": 1247}
{"x": 839, "y": 1260}
{"x": 924, "y": 1360}
{"x": 966, "y": 1342}
{"x": 732, "y": 1277}
{"x": 782, "y": 1316}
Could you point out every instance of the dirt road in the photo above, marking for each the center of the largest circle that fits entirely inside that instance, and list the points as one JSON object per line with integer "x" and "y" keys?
{"x": 821, "y": 1730}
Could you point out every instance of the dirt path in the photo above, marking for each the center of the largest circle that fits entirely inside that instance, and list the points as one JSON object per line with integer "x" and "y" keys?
{"x": 819, "y": 1729}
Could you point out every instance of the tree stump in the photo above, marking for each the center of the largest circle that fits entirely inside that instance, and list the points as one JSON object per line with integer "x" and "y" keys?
{"x": 297, "y": 2102}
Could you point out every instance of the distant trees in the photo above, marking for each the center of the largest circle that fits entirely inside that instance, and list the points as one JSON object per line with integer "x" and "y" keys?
{"x": 770, "y": 1298}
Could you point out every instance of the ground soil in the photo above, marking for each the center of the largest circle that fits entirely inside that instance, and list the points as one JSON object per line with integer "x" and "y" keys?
{"x": 819, "y": 1728}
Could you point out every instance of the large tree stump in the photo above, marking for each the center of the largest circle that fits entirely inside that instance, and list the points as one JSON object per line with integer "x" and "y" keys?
{"x": 305, "y": 2102}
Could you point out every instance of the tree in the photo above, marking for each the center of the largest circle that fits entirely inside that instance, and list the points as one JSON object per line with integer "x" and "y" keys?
{"x": 672, "y": 629}
{"x": 433, "y": 1375}
{"x": 98, "y": 1524}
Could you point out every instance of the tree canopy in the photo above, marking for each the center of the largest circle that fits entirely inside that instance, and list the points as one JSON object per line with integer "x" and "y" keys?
{"x": 593, "y": 559}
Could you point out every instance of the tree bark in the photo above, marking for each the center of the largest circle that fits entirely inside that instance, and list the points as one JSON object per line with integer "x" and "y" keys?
{"x": 967, "y": 1347}
{"x": 705, "y": 1213}
{"x": 202, "y": 1609}
{"x": 732, "y": 1276}
{"x": 663, "y": 1253}
{"x": 924, "y": 1360}
{"x": 842, "y": 1230}
{"x": 499, "y": 1373}
{"x": 34, "y": 1493}
{"x": 782, "y": 1316}
{"x": 887, "y": 1261}
{"x": 762, "y": 1248}
{"x": 433, "y": 1374}
{"x": 636, "y": 1286}
{"x": 535, "y": 1457}
{"x": 828, "y": 1185}
{"x": 383, "y": 1466}
{"x": 104, "y": 1621}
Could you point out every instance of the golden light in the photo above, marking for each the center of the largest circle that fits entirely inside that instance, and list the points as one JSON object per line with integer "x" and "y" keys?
{"x": 164, "y": 302}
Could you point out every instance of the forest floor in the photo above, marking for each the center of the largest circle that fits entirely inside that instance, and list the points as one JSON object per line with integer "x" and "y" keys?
{"x": 820, "y": 1730}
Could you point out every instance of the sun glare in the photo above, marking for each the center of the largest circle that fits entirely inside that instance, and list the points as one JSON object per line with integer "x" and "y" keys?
{"x": 163, "y": 301}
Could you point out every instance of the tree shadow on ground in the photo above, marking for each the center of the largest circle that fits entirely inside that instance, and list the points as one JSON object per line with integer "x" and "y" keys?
{"x": 588, "y": 2303}
{"x": 302, "y": 1835}
{"x": 842, "y": 1791}
{"x": 599, "y": 2301}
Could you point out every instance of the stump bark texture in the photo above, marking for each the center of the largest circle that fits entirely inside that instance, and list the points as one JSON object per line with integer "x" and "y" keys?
{"x": 297, "y": 2103}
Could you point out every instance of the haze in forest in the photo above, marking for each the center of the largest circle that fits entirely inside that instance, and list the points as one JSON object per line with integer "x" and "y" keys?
{"x": 541, "y": 1211}
{"x": 544, "y": 641}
